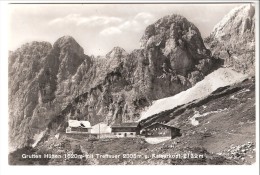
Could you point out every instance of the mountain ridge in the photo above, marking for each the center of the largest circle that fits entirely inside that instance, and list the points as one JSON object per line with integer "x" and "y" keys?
{"x": 67, "y": 84}
{"x": 233, "y": 39}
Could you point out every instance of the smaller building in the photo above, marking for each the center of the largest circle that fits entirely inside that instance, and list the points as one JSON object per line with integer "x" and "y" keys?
{"x": 79, "y": 127}
{"x": 160, "y": 130}
{"x": 102, "y": 130}
{"x": 125, "y": 129}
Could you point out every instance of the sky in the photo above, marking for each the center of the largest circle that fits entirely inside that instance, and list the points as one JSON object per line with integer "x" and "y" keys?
{"x": 100, "y": 27}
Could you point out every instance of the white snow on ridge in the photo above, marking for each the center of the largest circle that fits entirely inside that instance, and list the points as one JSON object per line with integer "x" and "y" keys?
{"x": 219, "y": 78}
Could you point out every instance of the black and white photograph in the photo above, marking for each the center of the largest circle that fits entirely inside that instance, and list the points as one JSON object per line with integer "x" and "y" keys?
{"x": 132, "y": 83}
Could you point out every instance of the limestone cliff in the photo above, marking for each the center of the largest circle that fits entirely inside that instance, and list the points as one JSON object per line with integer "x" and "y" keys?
{"x": 233, "y": 39}
{"x": 50, "y": 84}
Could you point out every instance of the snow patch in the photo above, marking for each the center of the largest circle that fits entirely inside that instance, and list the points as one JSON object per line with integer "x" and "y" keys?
{"x": 37, "y": 138}
{"x": 156, "y": 140}
{"x": 244, "y": 90}
{"x": 233, "y": 97}
{"x": 57, "y": 136}
{"x": 240, "y": 92}
{"x": 219, "y": 78}
{"x": 195, "y": 122}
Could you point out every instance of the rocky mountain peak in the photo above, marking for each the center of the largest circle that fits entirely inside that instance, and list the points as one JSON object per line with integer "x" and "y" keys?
{"x": 68, "y": 43}
{"x": 236, "y": 22}
{"x": 34, "y": 44}
{"x": 115, "y": 88}
{"x": 233, "y": 39}
{"x": 66, "y": 39}
{"x": 32, "y": 51}
{"x": 172, "y": 31}
{"x": 179, "y": 43}
{"x": 70, "y": 55}
{"x": 116, "y": 52}
{"x": 34, "y": 47}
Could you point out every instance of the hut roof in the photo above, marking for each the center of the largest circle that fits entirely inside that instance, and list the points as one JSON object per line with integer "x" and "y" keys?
{"x": 79, "y": 123}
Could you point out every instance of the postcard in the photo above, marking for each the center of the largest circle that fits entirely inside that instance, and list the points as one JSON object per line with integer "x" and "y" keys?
{"x": 128, "y": 83}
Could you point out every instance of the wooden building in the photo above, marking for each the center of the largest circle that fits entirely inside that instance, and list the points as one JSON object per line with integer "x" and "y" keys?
{"x": 79, "y": 127}
{"x": 160, "y": 130}
{"x": 125, "y": 129}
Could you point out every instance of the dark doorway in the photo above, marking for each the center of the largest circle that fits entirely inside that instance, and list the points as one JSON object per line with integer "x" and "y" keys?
{"x": 125, "y": 134}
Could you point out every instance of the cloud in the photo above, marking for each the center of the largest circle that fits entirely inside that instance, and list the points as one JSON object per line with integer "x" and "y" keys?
{"x": 79, "y": 20}
{"x": 135, "y": 24}
{"x": 143, "y": 15}
{"x": 110, "y": 31}
{"x": 99, "y": 20}
{"x": 113, "y": 25}
{"x": 129, "y": 25}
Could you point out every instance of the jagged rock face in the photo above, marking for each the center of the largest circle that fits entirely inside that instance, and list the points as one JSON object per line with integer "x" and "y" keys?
{"x": 174, "y": 55}
{"x": 178, "y": 40}
{"x": 172, "y": 58}
{"x": 71, "y": 55}
{"x": 26, "y": 65}
{"x": 36, "y": 77}
{"x": 63, "y": 83}
{"x": 233, "y": 39}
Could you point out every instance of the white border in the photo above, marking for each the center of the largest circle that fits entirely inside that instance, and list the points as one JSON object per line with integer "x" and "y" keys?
{"x": 3, "y": 87}
{"x": 5, "y": 169}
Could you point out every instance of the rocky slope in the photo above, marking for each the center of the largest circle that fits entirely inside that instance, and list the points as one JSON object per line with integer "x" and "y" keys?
{"x": 223, "y": 123}
{"x": 51, "y": 84}
{"x": 233, "y": 39}
{"x": 224, "y": 133}
{"x": 37, "y": 74}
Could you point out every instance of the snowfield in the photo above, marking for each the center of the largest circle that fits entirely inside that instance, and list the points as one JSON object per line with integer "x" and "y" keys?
{"x": 219, "y": 78}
